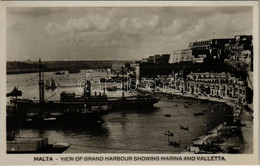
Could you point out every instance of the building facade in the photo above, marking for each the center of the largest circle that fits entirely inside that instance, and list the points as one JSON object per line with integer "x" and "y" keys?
{"x": 212, "y": 48}
{"x": 157, "y": 59}
{"x": 221, "y": 85}
{"x": 183, "y": 55}
{"x": 242, "y": 49}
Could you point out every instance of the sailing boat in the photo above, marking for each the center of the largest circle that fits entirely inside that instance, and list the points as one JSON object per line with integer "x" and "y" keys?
{"x": 15, "y": 92}
{"x": 50, "y": 84}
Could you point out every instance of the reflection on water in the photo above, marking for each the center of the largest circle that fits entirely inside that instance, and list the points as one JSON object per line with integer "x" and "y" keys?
{"x": 131, "y": 131}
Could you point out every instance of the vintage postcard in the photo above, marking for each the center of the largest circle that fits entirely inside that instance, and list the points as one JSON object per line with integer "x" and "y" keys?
{"x": 154, "y": 83}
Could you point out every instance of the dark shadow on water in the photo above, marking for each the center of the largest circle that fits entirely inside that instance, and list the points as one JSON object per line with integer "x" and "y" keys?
{"x": 148, "y": 110}
{"x": 138, "y": 111}
{"x": 98, "y": 130}
{"x": 101, "y": 131}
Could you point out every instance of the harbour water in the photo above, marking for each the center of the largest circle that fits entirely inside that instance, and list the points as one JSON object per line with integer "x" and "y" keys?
{"x": 124, "y": 131}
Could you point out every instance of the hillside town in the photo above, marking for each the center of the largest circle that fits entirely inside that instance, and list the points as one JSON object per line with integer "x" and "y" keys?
{"x": 217, "y": 68}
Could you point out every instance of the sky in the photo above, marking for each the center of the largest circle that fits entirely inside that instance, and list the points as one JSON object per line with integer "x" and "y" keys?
{"x": 116, "y": 33}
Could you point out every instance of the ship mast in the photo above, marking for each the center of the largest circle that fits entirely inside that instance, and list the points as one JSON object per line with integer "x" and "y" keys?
{"x": 41, "y": 84}
{"x": 123, "y": 83}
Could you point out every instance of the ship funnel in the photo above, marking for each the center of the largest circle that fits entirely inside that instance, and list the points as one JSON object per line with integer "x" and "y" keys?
{"x": 87, "y": 89}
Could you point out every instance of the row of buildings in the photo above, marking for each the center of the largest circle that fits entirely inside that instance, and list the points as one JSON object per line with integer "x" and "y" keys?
{"x": 221, "y": 85}
{"x": 218, "y": 85}
{"x": 157, "y": 59}
{"x": 239, "y": 48}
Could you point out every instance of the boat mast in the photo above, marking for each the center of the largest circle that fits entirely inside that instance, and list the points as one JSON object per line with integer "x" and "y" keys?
{"x": 41, "y": 84}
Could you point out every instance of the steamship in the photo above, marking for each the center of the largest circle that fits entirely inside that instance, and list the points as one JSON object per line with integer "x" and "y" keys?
{"x": 64, "y": 111}
{"x": 70, "y": 108}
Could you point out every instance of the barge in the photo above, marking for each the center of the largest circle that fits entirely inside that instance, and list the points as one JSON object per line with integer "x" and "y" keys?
{"x": 34, "y": 145}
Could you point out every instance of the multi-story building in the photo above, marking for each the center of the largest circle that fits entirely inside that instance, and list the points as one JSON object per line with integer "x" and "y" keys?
{"x": 164, "y": 59}
{"x": 245, "y": 56}
{"x": 150, "y": 59}
{"x": 183, "y": 55}
{"x": 199, "y": 50}
{"x": 221, "y": 85}
{"x": 157, "y": 59}
{"x": 212, "y": 48}
{"x": 144, "y": 60}
{"x": 243, "y": 42}
{"x": 242, "y": 49}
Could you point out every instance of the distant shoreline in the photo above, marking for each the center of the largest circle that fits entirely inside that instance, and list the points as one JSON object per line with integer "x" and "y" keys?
{"x": 28, "y": 72}
{"x": 22, "y": 67}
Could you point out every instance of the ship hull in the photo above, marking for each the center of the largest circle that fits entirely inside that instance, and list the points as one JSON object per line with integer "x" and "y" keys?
{"x": 72, "y": 112}
{"x": 61, "y": 107}
{"x": 134, "y": 104}
{"x": 126, "y": 103}
{"x": 31, "y": 113}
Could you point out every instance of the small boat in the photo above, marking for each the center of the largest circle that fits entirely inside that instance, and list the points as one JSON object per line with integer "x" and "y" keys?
{"x": 212, "y": 110}
{"x": 185, "y": 106}
{"x": 59, "y": 73}
{"x": 168, "y": 133}
{"x": 14, "y": 93}
{"x": 184, "y": 128}
{"x": 205, "y": 110}
{"x": 233, "y": 150}
{"x": 50, "y": 84}
{"x": 174, "y": 143}
{"x": 167, "y": 115}
{"x": 199, "y": 114}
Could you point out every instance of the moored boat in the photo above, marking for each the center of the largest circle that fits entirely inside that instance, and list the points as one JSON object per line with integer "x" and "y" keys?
{"x": 34, "y": 145}
{"x": 50, "y": 84}
{"x": 167, "y": 115}
{"x": 184, "y": 128}
{"x": 199, "y": 114}
{"x": 185, "y": 106}
{"x": 59, "y": 73}
{"x": 174, "y": 143}
{"x": 168, "y": 133}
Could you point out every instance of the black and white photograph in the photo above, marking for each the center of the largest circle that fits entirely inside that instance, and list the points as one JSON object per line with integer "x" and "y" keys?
{"x": 152, "y": 79}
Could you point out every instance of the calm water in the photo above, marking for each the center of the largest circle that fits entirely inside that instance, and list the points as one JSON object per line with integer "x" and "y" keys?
{"x": 132, "y": 131}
